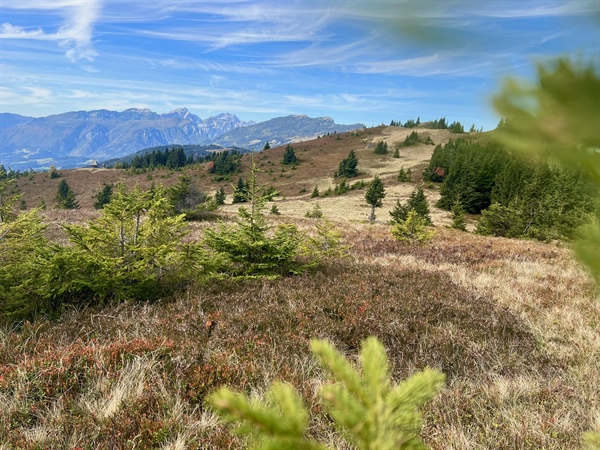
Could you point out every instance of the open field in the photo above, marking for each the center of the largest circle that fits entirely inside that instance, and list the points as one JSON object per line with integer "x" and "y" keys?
{"x": 513, "y": 325}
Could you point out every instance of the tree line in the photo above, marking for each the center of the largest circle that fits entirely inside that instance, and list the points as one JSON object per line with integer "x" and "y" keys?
{"x": 517, "y": 196}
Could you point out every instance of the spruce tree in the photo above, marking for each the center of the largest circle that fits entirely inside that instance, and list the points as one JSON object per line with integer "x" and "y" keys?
{"x": 411, "y": 139}
{"x": 103, "y": 197}
{"x": 315, "y": 193}
{"x": 220, "y": 197}
{"x": 348, "y": 166}
{"x": 289, "y": 157}
{"x": 399, "y": 212}
{"x": 250, "y": 247}
{"x": 418, "y": 202}
{"x": 403, "y": 175}
{"x": 65, "y": 197}
{"x": 24, "y": 255}
{"x": 381, "y": 148}
{"x": 458, "y": 216}
{"x": 240, "y": 192}
{"x": 176, "y": 158}
{"x": 374, "y": 196}
{"x": 7, "y": 201}
{"x": 413, "y": 229}
{"x": 53, "y": 172}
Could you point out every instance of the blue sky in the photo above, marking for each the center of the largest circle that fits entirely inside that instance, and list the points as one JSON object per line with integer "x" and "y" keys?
{"x": 352, "y": 60}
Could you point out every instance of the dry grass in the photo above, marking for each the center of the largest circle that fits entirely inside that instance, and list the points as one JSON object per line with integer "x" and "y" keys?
{"x": 513, "y": 324}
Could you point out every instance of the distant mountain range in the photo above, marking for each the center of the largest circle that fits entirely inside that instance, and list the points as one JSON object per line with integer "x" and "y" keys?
{"x": 72, "y": 139}
{"x": 282, "y": 130}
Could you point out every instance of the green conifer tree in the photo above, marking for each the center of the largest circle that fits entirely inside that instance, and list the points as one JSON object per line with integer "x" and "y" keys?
{"x": 381, "y": 148}
{"x": 65, "y": 197}
{"x": 399, "y": 212}
{"x": 240, "y": 192}
{"x": 7, "y": 201}
{"x": 250, "y": 247}
{"x": 348, "y": 166}
{"x": 418, "y": 202}
{"x": 413, "y": 229}
{"x": 458, "y": 216}
{"x": 315, "y": 193}
{"x": 289, "y": 156}
{"x": 53, "y": 172}
{"x": 364, "y": 404}
{"x": 220, "y": 197}
{"x": 103, "y": 197}
{"x": 374, "y": 196}
{"x": 403, "y": 175}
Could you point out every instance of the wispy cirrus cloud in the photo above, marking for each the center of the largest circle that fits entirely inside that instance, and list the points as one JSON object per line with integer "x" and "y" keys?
{"x": 74, "y": 33}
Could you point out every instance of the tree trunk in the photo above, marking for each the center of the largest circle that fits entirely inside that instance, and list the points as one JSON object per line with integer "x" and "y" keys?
{"x": 372, "y": 215}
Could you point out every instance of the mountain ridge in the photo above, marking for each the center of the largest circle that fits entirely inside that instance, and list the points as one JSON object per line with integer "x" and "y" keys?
{"x": 73, "y": 138}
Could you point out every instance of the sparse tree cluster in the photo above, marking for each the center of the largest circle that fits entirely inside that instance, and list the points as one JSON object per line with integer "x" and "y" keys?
{"x": 416, "y": 202}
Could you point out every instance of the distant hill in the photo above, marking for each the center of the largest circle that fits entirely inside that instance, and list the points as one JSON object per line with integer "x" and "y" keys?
{"x": 282, "y": 130}
{"x": 72, "y": 139}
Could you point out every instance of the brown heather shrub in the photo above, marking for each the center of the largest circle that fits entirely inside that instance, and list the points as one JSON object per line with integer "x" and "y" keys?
{"x": 513, "y": 325}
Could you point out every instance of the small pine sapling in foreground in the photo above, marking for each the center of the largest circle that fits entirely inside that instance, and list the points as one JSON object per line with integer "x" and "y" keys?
{"x": 413, "y": 229}
{"x": 326, "y": 242}
{"x": 7, "y": 201}
{"x": 396, "y": 153}
{"x": 372, "y": 412}
{"x": 315, "y": 193}
{"x": 374, "y": 196}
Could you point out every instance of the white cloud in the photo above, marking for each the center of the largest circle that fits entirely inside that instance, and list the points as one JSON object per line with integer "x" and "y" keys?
{"x": 75, "y": 34}
{"x": 9, "y": 31}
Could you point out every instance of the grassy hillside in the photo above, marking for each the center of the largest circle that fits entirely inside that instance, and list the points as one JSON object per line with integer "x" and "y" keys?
{"x": 319, "y": 160}
{"x": 513, "y": 325}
